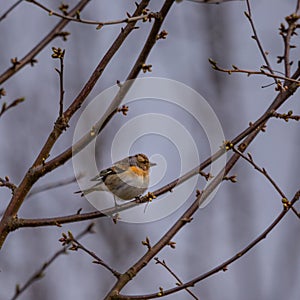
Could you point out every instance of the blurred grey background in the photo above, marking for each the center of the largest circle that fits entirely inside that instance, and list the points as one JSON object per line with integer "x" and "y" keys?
{"x": 239, "y": 211}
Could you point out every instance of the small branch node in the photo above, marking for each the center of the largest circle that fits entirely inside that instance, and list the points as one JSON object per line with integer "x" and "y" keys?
{"x": 146, "y": 243}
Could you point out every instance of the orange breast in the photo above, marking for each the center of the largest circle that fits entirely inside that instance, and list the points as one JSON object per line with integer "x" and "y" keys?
{"x": 138, "y": 171}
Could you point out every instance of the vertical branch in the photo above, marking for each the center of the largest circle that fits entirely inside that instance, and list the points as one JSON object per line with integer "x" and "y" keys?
{"x": 255, "y": 37}
{"x": 297, "y": 6}
{"x": 287, "y": 34}
{"x": 61, "y": 84}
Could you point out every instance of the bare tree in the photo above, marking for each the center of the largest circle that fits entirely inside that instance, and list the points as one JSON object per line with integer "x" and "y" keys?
{"x": 49, "y": 163}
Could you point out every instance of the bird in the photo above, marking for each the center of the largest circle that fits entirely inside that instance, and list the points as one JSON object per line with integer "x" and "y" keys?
{"x": 126, "y": 179}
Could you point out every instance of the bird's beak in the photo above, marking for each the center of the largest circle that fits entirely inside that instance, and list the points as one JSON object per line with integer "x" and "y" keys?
{"x": 152, "y": 164}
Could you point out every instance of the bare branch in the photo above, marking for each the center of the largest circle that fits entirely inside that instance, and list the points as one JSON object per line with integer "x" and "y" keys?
{"x": 248, "y": 14}
{"x": 287, "y": 116}
{"x": 238, "y": 145}
{"x": 61, "y": 124}
{"x": 39, "y": 274}
{"x": 59, "y": 53}
{"x": 263, "y": 171}
{"x": 181, "y": 222}
{"x": 57, "y": 221}
{"x": 235, "y": 69}
{"x": 10, "y": 10}
{"x": 221, "y": 267}
{"x": 52, "y": 185}
{"x": 48, "y": 186}
{"x": 6, "y": 107}
{"x": 75, "y": 245}
{"x": 29, "y": 58}
{"x": 6, "y": 183}
{"x": 145, "y": 16}
{"x": 163, "y": 263}
{"x": 287, "y": 34}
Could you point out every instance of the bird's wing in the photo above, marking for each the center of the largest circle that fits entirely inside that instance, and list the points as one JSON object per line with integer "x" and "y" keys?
{"x": 110, "y": 171}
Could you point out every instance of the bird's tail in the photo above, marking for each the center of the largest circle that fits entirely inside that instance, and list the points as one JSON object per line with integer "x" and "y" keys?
{"x": 97, "y": 187}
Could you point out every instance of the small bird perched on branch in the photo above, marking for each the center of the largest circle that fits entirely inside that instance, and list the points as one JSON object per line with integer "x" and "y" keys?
{"x": 125, "y": 179}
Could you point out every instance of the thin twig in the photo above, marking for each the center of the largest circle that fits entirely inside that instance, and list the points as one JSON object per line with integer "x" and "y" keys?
{"x": 163, "y": 263}
{"x": 235, "y": 69}
{"x": 6, "y": 107}
{"x": 111, "y": 111}
{"x": 10, "y": 10}
{"x": 61, "y": 84}
{"x": 53, "y": 185}
{"x": 29, "y": 58}
{"x": 287, "y": 48}
{"x": 287, "y": 34}
{"x": 255, "y": 37}
{"x": 39, "y": 274}
{"x": 49, "y": 186}
{"x": 263, "y": 171}
{"x": 145, "y": 16}
{"x": 77, "y": 245}
{"x": 221, "y": 267}
{"x": 287, "y": 116}
{"x": 6, "y": 183}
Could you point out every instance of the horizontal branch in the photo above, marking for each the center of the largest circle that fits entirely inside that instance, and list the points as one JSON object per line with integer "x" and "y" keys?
{"x": 235, "y": 69}
{"x": 57, "y": 221}
{"x": 145, "y": 17}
